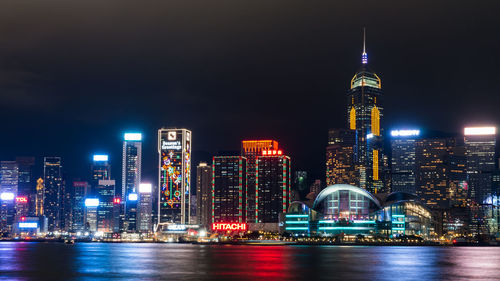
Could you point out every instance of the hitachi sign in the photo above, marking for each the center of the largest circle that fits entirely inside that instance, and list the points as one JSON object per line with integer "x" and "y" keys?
{"x": 221, "y": 226}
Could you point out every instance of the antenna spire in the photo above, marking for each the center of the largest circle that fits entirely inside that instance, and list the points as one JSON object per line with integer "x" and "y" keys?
{"x": 364, "y": 56}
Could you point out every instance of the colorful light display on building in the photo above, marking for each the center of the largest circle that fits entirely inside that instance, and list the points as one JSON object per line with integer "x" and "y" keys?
{"x": 174, "y": 148}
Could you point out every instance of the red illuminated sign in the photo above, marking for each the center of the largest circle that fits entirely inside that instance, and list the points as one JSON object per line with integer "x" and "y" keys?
{"x": 235, "y": 226}
{"x": 272, "y": 152}
{"x": 22, "y": 199}
{"x": 117, "y": 200}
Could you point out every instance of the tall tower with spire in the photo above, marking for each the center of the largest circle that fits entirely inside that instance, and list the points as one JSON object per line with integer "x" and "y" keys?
{"x": 364, "y": 113}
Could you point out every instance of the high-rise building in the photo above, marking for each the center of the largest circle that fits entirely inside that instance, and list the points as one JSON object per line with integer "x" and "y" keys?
{"x": 27, "y": 184}
{"x": 145, "y": 209}
{"x": 273, "y": 185}
{"x": 101, "y": 169}
{"x": 91, "y": 206}
{"x": 251, "y": 149}
{"x": 403, "y": 163}
{"x": 80, "y": 192}
{"x": 364, "y": 113}
{"x": 432, "y": 176}
{"x": 204, "y": 194}
{"x": 54, "y": 192}
{"x": 9, "y": 177}
{"x": 26, "y": 180}
{"x": 229, "y": 189}
{"x": 105, "y": 192}
{"x": 340, "y": 167}
{"x": 131, "y": 163}
{"x": 174, "y": 175}
{"x": 480, "y": 144}
{"x": 40, "y": 197}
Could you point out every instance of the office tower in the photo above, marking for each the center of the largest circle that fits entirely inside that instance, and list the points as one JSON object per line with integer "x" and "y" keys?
{"x": 251, "y": 149}
{"x": 174, "y": 175}
{"x": 364, "y": 113}
{"x": 7, "y": 211}
{"x": 480, "y": 144}
{"x": 403, "y": 166}
{"x": 9, "y": 177}
{"x": 229, "y": 188}
{"x": 432, "y": 177}
{"x": 40, "y": 197}
{"x": 340, "y": 167}
{"x": 131, "y": 163}
{"x": 91, "y": 206}
{"x": 145, "y": 209}
{"x": 101, "y": 169}
{"x": 53, "y": 187}
{"x": 26, "y": 180}
{"x": 105, "y": 192}
{"x": 273, "y": 185}
{"x": 457, "y": 176}
{"x": 204, "y": 194}
{"x": 80, "y": 192}
{"x": 315, "y": 187}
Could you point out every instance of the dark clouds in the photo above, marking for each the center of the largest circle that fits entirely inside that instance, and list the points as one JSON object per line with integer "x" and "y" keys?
{"x": 74, "y": 75}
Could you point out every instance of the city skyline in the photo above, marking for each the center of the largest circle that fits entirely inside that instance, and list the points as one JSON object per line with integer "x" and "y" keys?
{"x": 305, "y": 70}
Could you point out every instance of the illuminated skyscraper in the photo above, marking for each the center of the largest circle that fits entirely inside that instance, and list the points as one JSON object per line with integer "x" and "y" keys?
{"x": 404, "y": 160}
{"x": 364, "y": 113}
{"x": 101, "y": 169}
{"x": 105, "y": 192}
{"x": 54, "y": 192}
{"x": 145, "y": 211}
{"x": 9, "y": 177}
{"x": 480, "y": 144}
{"x": 273, "y": 185}
{"x": 174, "y": 175}
{"x": 250, "y": 149}
{"x": 229, "y": 189}
{"x": 204, "y": 194}
{"x": 131, "y": 163}
{"x": 80, "y": 192}
{"x": 40, "y": 196}
{"x": 340, "y": 167}
{"x": 432, "y": 177}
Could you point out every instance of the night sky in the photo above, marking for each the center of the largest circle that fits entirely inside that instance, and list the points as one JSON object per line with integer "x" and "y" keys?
{"x": 75, "y": 75}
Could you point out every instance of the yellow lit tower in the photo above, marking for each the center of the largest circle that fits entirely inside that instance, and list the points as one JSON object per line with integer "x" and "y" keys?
{"x": 364, "y": 114}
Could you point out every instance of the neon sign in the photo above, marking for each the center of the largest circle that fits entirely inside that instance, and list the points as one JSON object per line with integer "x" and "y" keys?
{"x": 7, "y": 196}
{"x": 132, "y": 197}
{"x": 221, "y": 226}
{"x": 91, "y": 202}
{"x": 272, "y": 152}
{"x": 22, "y": 199}
{"x": 174, "y": 145}
{"x": 117, "y": 200}
{"x": 28, "y": 225}
{"x": 132, "y": 136}
{"x": 100, "y": 157}
{"x": 405, "y": 133}
{"x": 478, "y": 131}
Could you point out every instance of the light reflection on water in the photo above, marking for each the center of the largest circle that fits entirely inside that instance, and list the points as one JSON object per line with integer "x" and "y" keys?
{"x": 102, "y": 261}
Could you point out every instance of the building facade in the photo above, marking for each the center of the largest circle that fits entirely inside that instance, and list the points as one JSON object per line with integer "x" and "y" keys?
{"x": 174, "y": 175}
{"x": 403, "y": 160}
{"x": 340, "y": 166}
{"x": 54, "y": 192}
{"x": 251, "y": 149}
{"x": 204, "y": 194}
{"x": 273, "y": 185}
{"x": 364, "y": 113}
{"x": 229, "y": 187}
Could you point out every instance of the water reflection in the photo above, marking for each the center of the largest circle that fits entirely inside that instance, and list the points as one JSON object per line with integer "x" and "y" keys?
{"x": 101, "y": 261}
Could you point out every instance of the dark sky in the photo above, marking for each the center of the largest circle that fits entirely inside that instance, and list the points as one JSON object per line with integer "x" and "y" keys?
{"x": 75, "y": 75}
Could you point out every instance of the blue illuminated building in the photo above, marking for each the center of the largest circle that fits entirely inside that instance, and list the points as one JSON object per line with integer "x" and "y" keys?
{"x": 348, "y": 210}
